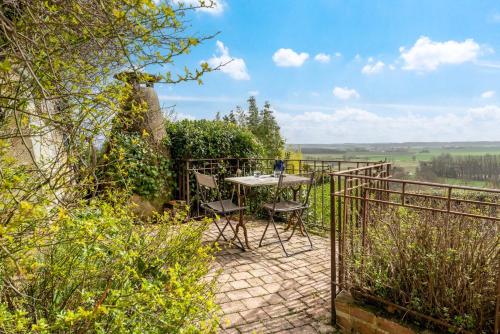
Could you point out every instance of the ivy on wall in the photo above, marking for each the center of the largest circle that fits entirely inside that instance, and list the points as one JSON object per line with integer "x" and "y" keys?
{"x": 135, "y": 165}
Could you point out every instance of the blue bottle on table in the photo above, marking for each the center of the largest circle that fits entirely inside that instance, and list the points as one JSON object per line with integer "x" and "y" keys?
{"x": 279, "y": 167}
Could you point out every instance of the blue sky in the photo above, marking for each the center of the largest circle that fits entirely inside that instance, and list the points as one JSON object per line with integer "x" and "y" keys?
{"x": 352, "y": 71}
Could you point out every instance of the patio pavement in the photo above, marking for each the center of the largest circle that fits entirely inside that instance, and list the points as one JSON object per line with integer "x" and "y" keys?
{"x": 262, "y": 291}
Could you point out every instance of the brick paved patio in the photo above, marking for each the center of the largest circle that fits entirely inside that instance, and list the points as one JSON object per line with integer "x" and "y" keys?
{"x": 262, "y": 291}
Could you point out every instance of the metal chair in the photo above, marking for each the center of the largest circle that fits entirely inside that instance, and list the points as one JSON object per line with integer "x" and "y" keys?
{"x": 225, "y": 208}
{"x": 294, "y": 208}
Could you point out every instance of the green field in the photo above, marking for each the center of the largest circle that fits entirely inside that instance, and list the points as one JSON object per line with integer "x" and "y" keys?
{"x": 404, "y": 155}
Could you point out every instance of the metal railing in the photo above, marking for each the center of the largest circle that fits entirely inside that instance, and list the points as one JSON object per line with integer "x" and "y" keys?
{"x": 318, "y": 214}
{"x": 369, "y": 209}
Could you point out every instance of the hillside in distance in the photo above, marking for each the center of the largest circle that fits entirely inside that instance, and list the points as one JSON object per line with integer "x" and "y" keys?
{"x": 409, "y": 158}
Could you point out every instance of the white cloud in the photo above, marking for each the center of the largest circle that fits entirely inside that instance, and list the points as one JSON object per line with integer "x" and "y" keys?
{"x": 486, "y": 113}
{"x": 489, "y": 64}
{"x": 289, "y": 58}
{"x": 488, "y": 94}
{"x": 357, "y": 57}
{"x": 344, "y": 93}
{"x": 197, "y": 98}
{"x": 338, "y": 54}
{"x": 495, "y": 17}
{"x": 253, "y": 92}
{"x": 234, "y": 67}
{"x": 181, "y": 116}
{"x": 322, "y": 58}
{"x": 362, "y": 126}
{"x": 214, "y": 7}
{"x": 373, "y": 67}
{"x": 427, "y": 55}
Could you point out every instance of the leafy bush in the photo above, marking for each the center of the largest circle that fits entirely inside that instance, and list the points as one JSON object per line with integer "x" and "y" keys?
{"x": 441, "y": 266}
{"x": 90, "y": 268}
{"x": 132, "y": 163}
{"x": 93, "y": 270}
{"x": 205, "y": 139}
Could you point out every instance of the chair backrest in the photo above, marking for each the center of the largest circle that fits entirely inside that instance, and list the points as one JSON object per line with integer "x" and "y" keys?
{"x": 310, "y": 184}
{"x": 206, "y": 180}
{"x": 206, "y": 184}
{"x": 279, "y": 189}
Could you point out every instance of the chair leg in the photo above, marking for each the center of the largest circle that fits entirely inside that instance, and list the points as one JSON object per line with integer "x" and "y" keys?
{"x": 271, "y": 221}
{"x": 289, "y": 223}
{"x": 279, "y": 238}
{"x": 263, "y": 234}
{"x": 293, "y": 230}
{"x": 221, "y": 232}
{"x": 301, "y": 222}
{"x": 235, "y": 235}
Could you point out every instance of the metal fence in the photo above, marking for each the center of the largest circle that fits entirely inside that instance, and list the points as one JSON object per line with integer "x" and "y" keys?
{"x": 378, "y": 223}
{"x": 318, "y": 216}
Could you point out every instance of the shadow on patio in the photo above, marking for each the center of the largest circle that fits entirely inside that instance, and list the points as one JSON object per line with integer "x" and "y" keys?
{"x": 263, "y": 291}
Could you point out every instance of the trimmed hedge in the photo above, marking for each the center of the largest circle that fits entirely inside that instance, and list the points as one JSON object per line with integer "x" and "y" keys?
{"x": 205, "y": 139}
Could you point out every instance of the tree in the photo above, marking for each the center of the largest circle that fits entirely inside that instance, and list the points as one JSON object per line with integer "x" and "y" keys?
{"x": 262, "y": 124}
{"x": 231, "y": 118}
{"x": 252, "y": 121}
{"x": 72, "y": 264}
{"x": 268, "y": 132}
{"x": 57, "y": 61}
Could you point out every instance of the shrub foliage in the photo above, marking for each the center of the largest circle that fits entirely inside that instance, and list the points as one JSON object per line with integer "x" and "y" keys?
{"x": 74, "y": 266}
{"x": 442, "y": 266}
{"x": 205, "y": 139}
{"x": 92, "y": 269}
{"x": 133, "y": 164}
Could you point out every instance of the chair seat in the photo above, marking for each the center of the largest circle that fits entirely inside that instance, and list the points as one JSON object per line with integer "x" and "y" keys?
{"x": 227, "y": 206}
{"x": 285, "y": 206}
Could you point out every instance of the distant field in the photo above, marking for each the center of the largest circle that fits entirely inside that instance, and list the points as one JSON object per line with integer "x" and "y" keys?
{"x": 405, "y": 155}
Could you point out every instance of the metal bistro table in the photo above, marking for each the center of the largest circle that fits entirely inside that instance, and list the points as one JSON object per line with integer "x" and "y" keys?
{"x": 264, "y": 180}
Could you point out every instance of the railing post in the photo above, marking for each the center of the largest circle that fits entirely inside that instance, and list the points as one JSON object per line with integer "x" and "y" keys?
{"x": 497, "y": 306}
{"x": 339, "y": 226}
{"x": 364, "y": 231}
{"x": 343, "y": 229}
{"x": 315, "y": 198}
{"x": 333, "y": 253}
{"x": 188, "y": 196}
{"x": 388, "y": 183}
{"x": 448, "y": 203}
{"x": 403, "y": 189}
{"x": 323, "y": 195}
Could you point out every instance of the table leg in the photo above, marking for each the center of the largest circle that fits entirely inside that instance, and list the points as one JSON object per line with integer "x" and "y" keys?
{"x": 241, "y": 221}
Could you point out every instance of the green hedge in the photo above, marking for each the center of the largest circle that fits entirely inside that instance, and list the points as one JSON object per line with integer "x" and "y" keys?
{"x": 204, "y": 139}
